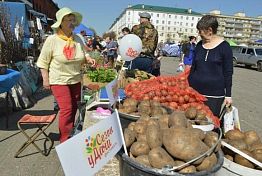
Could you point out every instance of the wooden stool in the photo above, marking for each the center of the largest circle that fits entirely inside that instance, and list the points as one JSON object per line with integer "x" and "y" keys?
{"x": 42, "y": 122}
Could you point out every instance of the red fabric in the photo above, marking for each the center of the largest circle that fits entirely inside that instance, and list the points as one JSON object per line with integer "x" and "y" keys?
{"x": 67, "y": 97}
{"x": 37, "y": 119}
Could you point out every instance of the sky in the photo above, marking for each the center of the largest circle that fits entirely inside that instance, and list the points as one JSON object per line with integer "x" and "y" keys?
{"x": 100, "y": 14}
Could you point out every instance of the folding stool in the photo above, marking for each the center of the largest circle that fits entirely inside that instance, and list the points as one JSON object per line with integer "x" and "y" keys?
{"x": 42, "y": 122}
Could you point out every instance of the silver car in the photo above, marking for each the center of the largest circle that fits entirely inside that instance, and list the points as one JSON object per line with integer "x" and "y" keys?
{"x": 249, "y": 56}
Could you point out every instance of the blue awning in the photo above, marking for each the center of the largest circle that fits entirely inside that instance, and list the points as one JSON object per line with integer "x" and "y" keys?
{"x": 82, "y": 27}
{"x": 17, "y": 13}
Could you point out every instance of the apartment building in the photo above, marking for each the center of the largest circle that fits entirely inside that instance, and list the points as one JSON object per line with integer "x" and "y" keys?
{"x": 239, "y": 28}
{"x": 173, "y": 24}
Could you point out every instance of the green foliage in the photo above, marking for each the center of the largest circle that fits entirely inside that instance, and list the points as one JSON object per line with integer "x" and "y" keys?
{"x": 102, "y": 75}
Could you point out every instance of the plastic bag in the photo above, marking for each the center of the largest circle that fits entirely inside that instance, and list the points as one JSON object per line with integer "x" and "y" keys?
{"x": 231, "y": 119}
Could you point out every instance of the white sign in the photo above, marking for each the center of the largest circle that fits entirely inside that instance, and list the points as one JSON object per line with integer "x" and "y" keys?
{"x": 87, "y": 152}
{"x": 112, "y": 91}
{"x": 38, "y": 23}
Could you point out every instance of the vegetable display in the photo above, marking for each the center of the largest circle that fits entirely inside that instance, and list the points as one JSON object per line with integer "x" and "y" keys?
{"x": 171, "y": 91}
{"x": 171, "y": 140}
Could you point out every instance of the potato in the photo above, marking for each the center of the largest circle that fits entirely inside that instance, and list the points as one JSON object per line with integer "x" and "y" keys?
{"x": 234, "y": 135}
{"x": 198, "y": 133}
{"x": 243, "y": 161}
{"x": 239, "y": 144}
{"x": 163, "y": 121}
{"x": 177, "y": 119}
{"x": 182, "y": 145}
{"x": 140, "y": 128}
{"x": 152, "y": 122}
{"x": 139, "y": 148}
{"x": 229, "y": 158}
{"x": 131, "y": 126}
{"x": 211, "y": 139}
{"x": 143, "y": 159}
{"x": 129, "y": 137}
{"x": 130, "y": 102}
{"x": 251, "y": 137}
{"x": 178, "y": 162}
{"x": 257, "y": 154}
{"x": 201, "y": 115}
{"x": 191, "y": 113}
{"x": 159, "y": 158}
{"x": 129, "y": 109}
{"x": 141, "y": 138}
{"x": 188, "y": 169}
{"x": 156, "y": 112}
{"x": 154, "y": 136}
{"x": 207, "y": 163}
{"x": 255, "y": 146}
{"x": 144, "y": 109}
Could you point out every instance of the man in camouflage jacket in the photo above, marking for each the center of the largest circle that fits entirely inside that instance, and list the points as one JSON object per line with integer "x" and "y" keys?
{"x": 149, "y": 36}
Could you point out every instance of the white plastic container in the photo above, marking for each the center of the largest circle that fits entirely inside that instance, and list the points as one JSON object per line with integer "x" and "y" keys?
{"x": 233, "y": 169}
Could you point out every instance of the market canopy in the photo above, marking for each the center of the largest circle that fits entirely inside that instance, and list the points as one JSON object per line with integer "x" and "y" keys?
{"x": 231, "y": 43}
{"x": 16, "y": 11}
{"x": 82, "y": 27}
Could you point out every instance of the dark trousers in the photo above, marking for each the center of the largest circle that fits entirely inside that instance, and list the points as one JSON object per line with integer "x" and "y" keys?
{"x": 215, "y": 105}
{"x": 142, "y": 63}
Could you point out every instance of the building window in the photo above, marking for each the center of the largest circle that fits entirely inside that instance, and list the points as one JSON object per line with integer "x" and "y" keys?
{"x": 174, "y": 35}
{"x": 163, "y": 28}
{"x": 186, "y": 24}
{"x": 187, "y": 18}
{"x": 174, "y": 29}
{"x": 157, "y": 15}
{"x": 192, "y": 24}
{"x": 181, "y": 23}
{"x": 163, "y": 22}
{"x": 168, "y": 35}
{"x": 192, "y": 30}
{"x": 151, "y": 14}
{"x": 128, "y": 13}
{"x": 193, "y": 18}
{"x": 185, "y": 30}
{"x": 157, "y": 27}
{"x": 169, "y": 16}
{"x": 181, "y": 17}
{"x": 161, "y": 34}
{"x": 175, "y": 17}
{"x": 168, "y": 28}
{"x": 169, "y": 22}
{"x": 157, "y": 21}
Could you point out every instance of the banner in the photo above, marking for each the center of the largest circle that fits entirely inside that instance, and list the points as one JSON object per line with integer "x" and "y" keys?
{"x": 87, "y": 152}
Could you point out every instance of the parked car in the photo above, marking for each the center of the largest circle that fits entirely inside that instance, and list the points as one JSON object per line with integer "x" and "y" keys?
{"x": 249, "y": 56}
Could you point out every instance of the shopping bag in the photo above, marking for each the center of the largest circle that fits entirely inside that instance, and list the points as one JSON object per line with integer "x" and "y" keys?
{"x": 231, "y": 119}
{"x": 180, "y": 67}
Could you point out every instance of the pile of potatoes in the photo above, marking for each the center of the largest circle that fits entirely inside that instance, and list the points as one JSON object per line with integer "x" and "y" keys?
{"x": 142, "y": 108}
{"x": 197, "y": 116}
{"x": 170, "y": 140}
{"x": 247, "y": 142}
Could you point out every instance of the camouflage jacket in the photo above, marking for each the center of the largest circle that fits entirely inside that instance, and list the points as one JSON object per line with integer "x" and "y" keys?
{"x": 149, "y": 36}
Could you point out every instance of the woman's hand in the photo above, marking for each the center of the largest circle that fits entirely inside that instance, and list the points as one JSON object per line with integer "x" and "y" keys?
{"x": 46, "y": 84}
{"x": 228, "y": 101}
{"x": 90, "y": 60}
